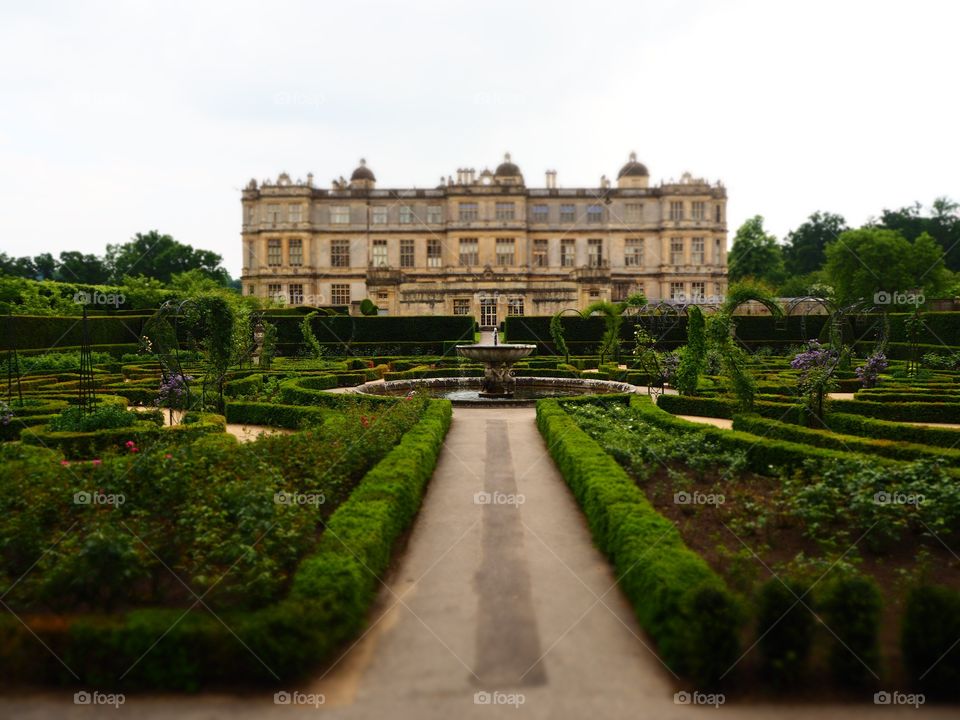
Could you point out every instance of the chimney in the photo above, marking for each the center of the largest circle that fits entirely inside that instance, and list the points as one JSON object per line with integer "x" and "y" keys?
{"x": 551, "y": 179}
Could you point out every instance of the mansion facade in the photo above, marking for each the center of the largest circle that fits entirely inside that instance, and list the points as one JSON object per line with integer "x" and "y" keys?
{"x": 484, "y": 244}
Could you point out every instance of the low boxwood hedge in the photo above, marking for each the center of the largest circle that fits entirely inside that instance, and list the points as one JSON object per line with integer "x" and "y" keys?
{"x": 909, "y": 411}
{"x": 905, "y": 451}
{"x": 870, "y": 427}
{"x": 292, "y": 417}
{"x": 678, "y": 599}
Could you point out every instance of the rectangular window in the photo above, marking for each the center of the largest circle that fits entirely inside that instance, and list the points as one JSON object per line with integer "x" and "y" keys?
{"x": 716, "y": 213}
{"x": 250, "y": 215}
{"x": 505, "y": 252}
{"x": 539, "y": 253}
{"x": 295, "y": 252}
{"x": 340, "y": 253}
{"x": 406, "y": 254}
{"x": 568, "y": 252}
{"x": 540, "y": 213}
{"x": 295, "y": 294}
{"x": 340, "y": 215}
{"x": 378, "y": 255}
{"x": 633, "y": 212}
{"x": 469, "y": 251}
{"x": 434, "y": 253}
{"x": 505, "y": 211}
{"x": 469, "y": 211}
{"x": 251, "y": 253}
{"x": 378, "y": 215}
{"x": 698, "y": 210}
{"x": 274, "y": 253}
{"x": 676, "y": 210}
{"x": 275, "y": 293}
{"x": 406, "y": 215}
{"x": 568, "y": 213}
{"x": 698, "y": 291}
{"x": 633, "y": 252}
{"x": 717, "y": 250}
{"x": 434, "y": 214}
{"x": 340, "y": 294}
{"x": 676, "y": 291}
{"x": 515, "y": 306}
{"x": 461, "y": 306}
{"x": 273, "y": 215}
{"x": 294, "y": 213}
{"x": 696, "y": 251}
{"x": 595, "y": 252}
{"x": 594, "y": 214}
{"x": 676, "y": 251}
{"x": 251, "y": 289}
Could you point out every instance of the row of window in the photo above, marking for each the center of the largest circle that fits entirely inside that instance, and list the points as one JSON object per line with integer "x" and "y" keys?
{"x": 470, "y": 212}
{"x": 339, "y": 293}
{"x": 469, "y": 252}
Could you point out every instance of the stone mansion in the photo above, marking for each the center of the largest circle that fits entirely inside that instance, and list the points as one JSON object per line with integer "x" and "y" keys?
{"x": 484, "y": 244}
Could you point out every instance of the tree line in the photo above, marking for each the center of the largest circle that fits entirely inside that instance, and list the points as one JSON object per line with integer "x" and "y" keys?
{"x": 152, "y": 255}
{"x": 909, "y": 250}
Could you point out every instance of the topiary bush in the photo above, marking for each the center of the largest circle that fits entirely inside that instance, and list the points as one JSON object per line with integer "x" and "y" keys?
{"x": 785, "y": 630}
{"x": 931, "y": 626}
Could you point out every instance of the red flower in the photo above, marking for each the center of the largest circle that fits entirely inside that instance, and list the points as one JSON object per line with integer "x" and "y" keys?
{"x": 364, "y": 421}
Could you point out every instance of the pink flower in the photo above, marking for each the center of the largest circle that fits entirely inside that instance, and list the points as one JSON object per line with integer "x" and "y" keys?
{"x": 65, "y": 463}
{"x": 167, "y": 456}
{"x": 130, "y": 443}
{"x": 96, "y": 461}
{"x": 364, "y": 421}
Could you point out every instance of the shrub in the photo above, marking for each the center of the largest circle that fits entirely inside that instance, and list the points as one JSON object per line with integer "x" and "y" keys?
{"x": 873, "y": 428}
{"x": 851, "y": 607}
{"x": 785, "y": 628}
{"x": 931, "y": 625}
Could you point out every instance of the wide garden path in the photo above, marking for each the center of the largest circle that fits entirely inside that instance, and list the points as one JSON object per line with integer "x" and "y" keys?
{"x": 499, "y": 589}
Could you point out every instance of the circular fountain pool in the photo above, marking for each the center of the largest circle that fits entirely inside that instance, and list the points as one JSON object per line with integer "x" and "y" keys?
{"x": 468, "y": 391}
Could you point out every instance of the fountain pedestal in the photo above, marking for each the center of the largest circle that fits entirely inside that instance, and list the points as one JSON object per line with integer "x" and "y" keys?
{"x": 498, "y": 380}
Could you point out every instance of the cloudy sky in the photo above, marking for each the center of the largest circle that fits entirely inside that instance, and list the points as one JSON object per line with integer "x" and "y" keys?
{"x": 119, "y": 117}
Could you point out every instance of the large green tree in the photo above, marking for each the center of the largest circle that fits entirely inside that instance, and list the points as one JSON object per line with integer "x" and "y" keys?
{"x": 75, "y": 267}
{"x": 161, "y": 257}
{"x": 804, "y": 248}
{"x": 755, "y": 254}
{"x": 876, "y": 262}
{"x": 942, "y": 223}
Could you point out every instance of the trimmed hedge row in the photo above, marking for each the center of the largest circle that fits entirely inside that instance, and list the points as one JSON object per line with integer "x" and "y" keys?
{"x": 870, "y": 427}
{"x": 87, "y": 445}
{"x": 310, "y": 391}
{"x": 764, "y": 456}
{"x": 292, "y": 417}
{"x": 45, "y": 332}
{"x": 903, "y": 411}
{"x": 328, "y": 602}
{"x": 903, "y": 451}
{"x": 678, "y": 599}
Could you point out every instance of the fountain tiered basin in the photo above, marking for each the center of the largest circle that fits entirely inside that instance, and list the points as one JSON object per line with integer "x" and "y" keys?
{"x": 498, "y": 360}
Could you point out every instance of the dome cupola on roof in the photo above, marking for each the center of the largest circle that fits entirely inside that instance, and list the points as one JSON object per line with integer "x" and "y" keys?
{"x": 507, "y": 173}
{"x": 363, "y": 175}
{"x": 634, "y": 174}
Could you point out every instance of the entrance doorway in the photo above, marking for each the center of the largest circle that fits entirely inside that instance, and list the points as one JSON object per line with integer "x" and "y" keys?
{"x": 488, "y": 312}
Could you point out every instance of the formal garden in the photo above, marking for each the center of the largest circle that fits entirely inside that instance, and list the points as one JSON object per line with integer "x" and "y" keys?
{"x": 777, "y": 493}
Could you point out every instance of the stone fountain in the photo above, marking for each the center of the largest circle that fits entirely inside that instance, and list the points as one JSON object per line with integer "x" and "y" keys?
{"x": 498, "y": 380}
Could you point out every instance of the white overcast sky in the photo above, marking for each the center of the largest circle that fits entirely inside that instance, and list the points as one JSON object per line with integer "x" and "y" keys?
{"x": 119, "y": 117}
